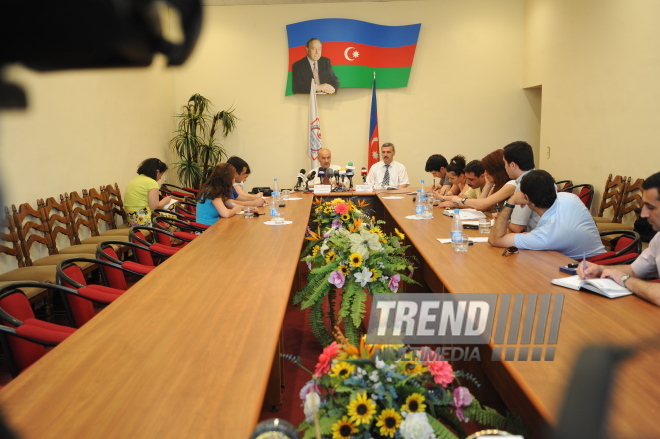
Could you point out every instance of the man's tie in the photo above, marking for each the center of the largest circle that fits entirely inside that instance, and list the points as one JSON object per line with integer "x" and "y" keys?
{"x": 315, "y": 72}
{"x": 386, "y": 177}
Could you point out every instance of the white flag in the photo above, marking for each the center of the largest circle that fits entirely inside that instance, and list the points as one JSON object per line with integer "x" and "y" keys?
{"x": 314, "y": 144}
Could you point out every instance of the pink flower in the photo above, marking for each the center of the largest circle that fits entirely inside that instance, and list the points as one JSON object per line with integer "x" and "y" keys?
{"x": 394, "y": 283}
{"x": 337, "y": 279}
{"x": 325, "y": 359}
{"x": 311, "y": 387}
{"x": 341, "y": 209}
{"x": 442, "y": 372}
{"x": 462, "y": 398}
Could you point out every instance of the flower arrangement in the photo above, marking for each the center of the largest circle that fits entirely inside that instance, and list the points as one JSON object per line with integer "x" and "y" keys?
{"x": 349, "y": 251}
{"x": 369, "y": 391}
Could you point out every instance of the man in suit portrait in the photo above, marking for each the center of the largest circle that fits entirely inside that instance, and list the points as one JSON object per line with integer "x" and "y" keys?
{"x": 314, "y": 66}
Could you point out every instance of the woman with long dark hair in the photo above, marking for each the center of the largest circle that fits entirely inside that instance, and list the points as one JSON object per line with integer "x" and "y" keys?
{"x": 141, "y": 196}
{"x": 498, "y": 187}
{"x": 214, "y": 197}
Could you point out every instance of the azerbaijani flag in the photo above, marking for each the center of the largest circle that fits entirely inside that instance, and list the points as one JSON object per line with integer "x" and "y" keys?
{"x": 373, "y": 130}
{"x": 357, "y": 49}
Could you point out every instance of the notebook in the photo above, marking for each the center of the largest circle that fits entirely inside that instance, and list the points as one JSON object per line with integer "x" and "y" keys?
{"x": 466, "y": 214}
{"x": 605, "y": 287}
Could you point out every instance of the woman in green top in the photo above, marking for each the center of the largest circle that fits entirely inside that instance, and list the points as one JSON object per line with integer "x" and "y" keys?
{"x": 141, "y": 196}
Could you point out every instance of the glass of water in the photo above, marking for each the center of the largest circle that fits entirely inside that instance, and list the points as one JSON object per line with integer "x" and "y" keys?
{"x": 462, "y": 245}
{"x": 484, "y": 225}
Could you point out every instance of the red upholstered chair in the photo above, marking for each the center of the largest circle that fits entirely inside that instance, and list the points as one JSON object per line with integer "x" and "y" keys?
{"x": 626, "y": 247}
{"x": 179, "y": 224}
{"x": 116, "y": 278}
{"x": 177, "y": 192}
{"x": 24, "y": 338}
{"x": 146, "y": 236}
{"x": 585, "y": 192}
{"x": 563, "y": 184}
{"x": 80, "y": 306}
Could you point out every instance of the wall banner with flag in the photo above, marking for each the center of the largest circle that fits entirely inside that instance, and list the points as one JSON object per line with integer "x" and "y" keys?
{"x": 374, "y": 141}
{"x": 356, "y": 49}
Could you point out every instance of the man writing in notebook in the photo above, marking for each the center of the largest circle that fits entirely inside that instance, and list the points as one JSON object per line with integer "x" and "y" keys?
{"x": 565, "y": 225}
{"x": 647, "y": 266}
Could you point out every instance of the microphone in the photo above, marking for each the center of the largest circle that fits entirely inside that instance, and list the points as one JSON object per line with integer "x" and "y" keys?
{"x": 301, "y": 177}
{"x": 310, "y": 177}
{"x": 350, "y": 172}
{"x": 342, "y": 175}
{"x": 364, "y": 174}
{"x": 321, "y": 175}
{"x": 330, "y": 173}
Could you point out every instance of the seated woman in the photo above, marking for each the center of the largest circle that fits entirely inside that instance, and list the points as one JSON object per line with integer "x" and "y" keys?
{"x": 498, "y": 187}
{"x": 214, "y": 197}
{"x": 456, "y": 175}
{"x": 141, "y": 195}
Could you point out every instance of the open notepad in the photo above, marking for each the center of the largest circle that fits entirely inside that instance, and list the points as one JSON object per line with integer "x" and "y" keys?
{"x": 466, "y": 214}
{"x": 605, "y": 287}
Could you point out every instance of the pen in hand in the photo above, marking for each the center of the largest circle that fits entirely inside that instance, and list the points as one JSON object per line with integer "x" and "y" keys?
{"x": 584, "y": 265}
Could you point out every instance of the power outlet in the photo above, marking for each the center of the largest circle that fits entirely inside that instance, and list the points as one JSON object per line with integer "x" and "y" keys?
{"x": 547, "y": 152}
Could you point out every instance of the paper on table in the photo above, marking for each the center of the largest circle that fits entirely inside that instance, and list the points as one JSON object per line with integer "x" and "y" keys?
{"x": 448, "y": 240}
{"x": 392, "y": 198}
{"x": 273, "y": 223}
{"x": 417, "y": 217}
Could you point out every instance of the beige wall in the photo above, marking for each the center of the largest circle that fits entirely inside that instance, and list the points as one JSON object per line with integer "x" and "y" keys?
{"x": 464, "y": 94}
{"x": 598, "y": 64}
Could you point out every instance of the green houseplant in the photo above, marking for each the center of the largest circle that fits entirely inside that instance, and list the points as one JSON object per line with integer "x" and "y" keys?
{"x": 195, "y": 144}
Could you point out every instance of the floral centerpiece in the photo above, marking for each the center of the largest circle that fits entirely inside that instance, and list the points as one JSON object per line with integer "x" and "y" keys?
{"x": 349, "y": 251}
{"x": 369, "y": 391}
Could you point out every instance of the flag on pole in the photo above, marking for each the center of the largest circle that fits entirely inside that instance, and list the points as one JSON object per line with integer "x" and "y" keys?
{"x": 373, "y": 129}
{"x": 314, "y": 126}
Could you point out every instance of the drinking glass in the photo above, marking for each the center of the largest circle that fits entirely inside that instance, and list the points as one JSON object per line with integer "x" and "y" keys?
{"x": 484, "y": 225}
{"x": 462, "y": 246}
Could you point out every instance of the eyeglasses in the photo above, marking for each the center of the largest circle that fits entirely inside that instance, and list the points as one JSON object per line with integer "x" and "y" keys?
{"x": 510, "y": 251}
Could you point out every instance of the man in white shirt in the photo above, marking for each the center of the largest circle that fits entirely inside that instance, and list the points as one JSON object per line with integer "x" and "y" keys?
{"x": 387, "y": 172}
{"x": 518, "y": 161}
{"x": 647, "y": 266}
{"x": 566, "y": 226}
{"x": 325, "y": 160}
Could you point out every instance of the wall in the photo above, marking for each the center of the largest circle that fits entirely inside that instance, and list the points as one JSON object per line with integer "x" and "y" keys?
{"x": 598, "y": 64}
{"x": 464, "y": 94}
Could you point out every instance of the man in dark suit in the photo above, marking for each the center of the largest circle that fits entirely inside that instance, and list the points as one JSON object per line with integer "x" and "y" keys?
{"x": 303, "y": 71}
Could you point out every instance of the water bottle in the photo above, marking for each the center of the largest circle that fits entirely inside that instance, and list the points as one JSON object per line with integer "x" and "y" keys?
{"x": 456, "y": 229}
{"x": 423, "y": 191}
{"x": 419, "y": 203}
{"x": 274, "y": 199}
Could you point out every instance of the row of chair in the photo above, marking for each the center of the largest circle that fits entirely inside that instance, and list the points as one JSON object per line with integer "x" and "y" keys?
{"x": 25, "y": 339}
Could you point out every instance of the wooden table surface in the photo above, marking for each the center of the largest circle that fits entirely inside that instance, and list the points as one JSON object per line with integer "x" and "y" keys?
{"x": 185, "y": 353}
{"x": 536, "y": 389}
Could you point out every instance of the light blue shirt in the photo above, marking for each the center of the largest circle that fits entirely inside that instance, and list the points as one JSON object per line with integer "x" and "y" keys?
{"x": 207, "y": 213}
{"x": 648, "y": 263}
{"x": 567, "y": 227}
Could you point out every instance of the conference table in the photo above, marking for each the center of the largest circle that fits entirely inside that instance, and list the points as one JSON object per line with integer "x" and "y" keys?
{"x": 187, "y": 351}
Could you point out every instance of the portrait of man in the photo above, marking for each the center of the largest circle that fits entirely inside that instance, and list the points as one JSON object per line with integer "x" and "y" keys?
{"x": 317, "y": 67}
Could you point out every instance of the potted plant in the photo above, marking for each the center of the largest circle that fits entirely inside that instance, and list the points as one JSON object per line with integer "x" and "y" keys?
{"x": 195, "y": 144}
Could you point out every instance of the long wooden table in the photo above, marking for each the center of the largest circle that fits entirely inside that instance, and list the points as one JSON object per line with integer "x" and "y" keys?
{"x": 536, "y": 389}
{"x": 185, "y": 353}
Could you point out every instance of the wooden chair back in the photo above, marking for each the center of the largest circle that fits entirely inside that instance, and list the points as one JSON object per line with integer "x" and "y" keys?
{"x": 113, "y": 199}
{"x": 81, "y": 214}
{"x": 103, "y": 216}
{"x": 612, "y": 195}
{"x": 632, "y": 200}
{"x": 59, "y": 220}
{"x": 32, "y": 228}
{"x": 10, "y": 245}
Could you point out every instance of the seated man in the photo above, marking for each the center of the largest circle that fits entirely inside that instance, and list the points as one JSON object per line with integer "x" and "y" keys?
{"x": 565, "y": 226}
{"x": 325, "y": 160}
{"x": 647, "y": 266}
{"x": 518, "y": 161}
{"x": 437, "y": 166}
{"x": 239, "y": 196}
{"x": 388, "y": 173}
{"x": 475, "y": 179}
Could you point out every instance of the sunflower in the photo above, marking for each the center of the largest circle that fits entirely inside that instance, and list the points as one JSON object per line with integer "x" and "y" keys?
{"x": 315, "y": 251}
{"x": 376, "y": 274}
{"x": 342, "y": 429}
{"x": 353, "y": 208}
{"x": 399, "y": 234}
{"x": 342, "y": 369}
{"x": 337, "y": 201}
{"x": 355, "y": 259}
{"x": 330, "y": 257}
{"x": 328, "y": 209}
{"x": 361, "y": 409}
{"x": 414, "y": 403}
{"x": 344, "y": 270}
{"x": 388, "y": 421}
{"x": 378, "y": 232}
{"x": 411, "y": 367}
{"x": 345, "y": 217}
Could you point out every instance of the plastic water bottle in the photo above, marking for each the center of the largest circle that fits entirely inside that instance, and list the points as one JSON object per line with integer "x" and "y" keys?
{"x": 456, "y": 229}
{"x": 274, "y": 199}
{"x": 419, "y": 203}
{"x": 423, "y": 191}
